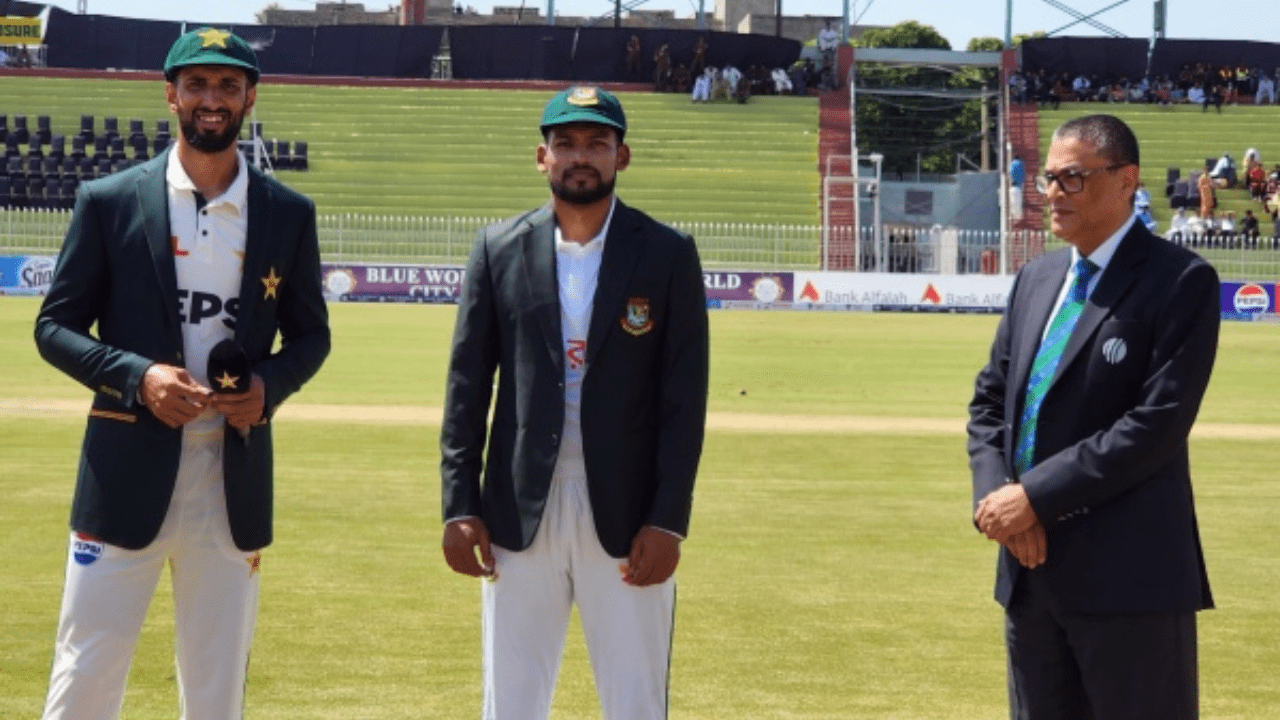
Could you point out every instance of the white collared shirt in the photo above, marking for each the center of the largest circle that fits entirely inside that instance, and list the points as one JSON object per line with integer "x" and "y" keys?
{"x": 208, "y": 255}
{"x": 577, "y": 273}
{"x": 1100, "y": 257}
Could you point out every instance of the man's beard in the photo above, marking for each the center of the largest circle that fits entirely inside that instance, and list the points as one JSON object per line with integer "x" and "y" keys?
{"x": 211, "y": 142}
{"x": 584, "y": 196}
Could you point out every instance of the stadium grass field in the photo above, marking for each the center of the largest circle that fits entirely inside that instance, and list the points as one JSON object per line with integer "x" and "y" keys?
{"x": 828, "y": 575}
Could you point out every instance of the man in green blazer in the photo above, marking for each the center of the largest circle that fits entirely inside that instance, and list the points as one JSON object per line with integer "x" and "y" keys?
{"x": 161, "y": 263}
{"x": 593, "y": 316}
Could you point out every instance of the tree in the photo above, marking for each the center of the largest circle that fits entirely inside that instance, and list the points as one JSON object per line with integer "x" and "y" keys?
{"x": 926, "y": 128}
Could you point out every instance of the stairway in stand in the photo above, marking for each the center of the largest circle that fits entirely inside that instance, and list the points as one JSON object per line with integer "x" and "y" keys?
{"x": 1024, "y": 136}
{"x": 834, "y": 140}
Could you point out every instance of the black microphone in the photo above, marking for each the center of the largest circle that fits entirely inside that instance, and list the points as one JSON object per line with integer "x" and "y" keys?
{"x": 229, "y": 372}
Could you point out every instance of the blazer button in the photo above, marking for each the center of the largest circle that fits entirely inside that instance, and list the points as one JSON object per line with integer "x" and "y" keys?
{"x": 555, "y": 438}
{"x": 179, "y": 355}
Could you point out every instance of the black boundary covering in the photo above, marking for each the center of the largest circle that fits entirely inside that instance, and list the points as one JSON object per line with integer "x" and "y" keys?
{"x": 14, "y": 8}
{"x": 1104, "y": 57}
{"x": 101, "y": 41}
{"x": 553, "y": 52}
{"x": 1169, "y": 56}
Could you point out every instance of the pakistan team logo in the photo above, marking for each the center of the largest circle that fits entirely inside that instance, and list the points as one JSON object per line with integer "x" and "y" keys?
{"x": 637, "y": 321}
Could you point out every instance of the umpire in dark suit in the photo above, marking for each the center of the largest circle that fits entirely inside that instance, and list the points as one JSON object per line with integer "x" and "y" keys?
{"x": 161, "y": 263}
{"x": 1078, "y": 447}
{"x": 594, "y": 318}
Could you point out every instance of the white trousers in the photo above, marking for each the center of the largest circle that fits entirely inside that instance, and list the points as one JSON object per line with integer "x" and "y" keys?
{"x": 108, "y": 589}
{"x": 526, "y": 614}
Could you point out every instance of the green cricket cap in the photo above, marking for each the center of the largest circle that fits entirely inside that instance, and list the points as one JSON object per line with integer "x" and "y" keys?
{"x": 211, "y": 46}
{"x": 584, "y": 104}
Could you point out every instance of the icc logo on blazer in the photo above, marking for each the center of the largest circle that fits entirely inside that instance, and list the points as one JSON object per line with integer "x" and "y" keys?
{"x": 1114, "y": 350}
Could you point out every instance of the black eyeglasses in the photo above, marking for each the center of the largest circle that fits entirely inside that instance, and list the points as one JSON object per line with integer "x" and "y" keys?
{"x": 1071, "y": 181}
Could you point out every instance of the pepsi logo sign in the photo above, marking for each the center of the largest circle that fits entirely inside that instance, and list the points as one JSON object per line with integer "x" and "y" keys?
{"x": 1251, "y": 298}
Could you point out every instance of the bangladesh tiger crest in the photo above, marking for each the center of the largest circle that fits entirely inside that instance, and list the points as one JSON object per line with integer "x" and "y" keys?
{"x": 637, "y": 321}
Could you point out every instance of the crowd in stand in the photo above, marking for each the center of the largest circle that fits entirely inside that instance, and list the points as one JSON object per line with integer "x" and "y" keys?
{"x": 1199, "y": 84}
{"x": 704, "y": 82}
{"x": 1196, "y": 219}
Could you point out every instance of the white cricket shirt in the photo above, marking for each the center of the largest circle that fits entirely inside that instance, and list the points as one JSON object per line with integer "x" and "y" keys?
{"x": 208, "y": 255}
{"x": 578, "y": 272}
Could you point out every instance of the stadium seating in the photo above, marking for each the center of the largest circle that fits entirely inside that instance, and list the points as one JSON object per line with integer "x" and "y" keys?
{"x": 110, "y": 128}
{"x": 20, "y": 132}
{"x": 43, "y": 130}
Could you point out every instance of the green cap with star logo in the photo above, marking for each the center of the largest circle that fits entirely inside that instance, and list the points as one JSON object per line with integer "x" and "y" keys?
{"x": 210, "y": 46}
{"x": 584, "y": 104}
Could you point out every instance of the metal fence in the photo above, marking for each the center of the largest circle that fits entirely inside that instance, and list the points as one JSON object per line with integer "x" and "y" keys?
{"x": 448, "y": 240}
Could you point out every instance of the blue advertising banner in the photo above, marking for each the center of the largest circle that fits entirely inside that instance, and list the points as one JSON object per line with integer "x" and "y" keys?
{"x": 26, "y": 274}
{"x": 1248, "y": 300}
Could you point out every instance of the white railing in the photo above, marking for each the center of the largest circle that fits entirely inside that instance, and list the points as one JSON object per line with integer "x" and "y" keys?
{"x": 447, "y": 240}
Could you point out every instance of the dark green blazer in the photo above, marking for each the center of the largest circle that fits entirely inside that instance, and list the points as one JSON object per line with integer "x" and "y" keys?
{"x": 112, "y": 311}
{"x": 644, "y": 397}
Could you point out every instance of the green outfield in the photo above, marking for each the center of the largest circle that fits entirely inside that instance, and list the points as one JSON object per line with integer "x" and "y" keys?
{"x": 827, "y": 575}
{"x": 461, "y": 153}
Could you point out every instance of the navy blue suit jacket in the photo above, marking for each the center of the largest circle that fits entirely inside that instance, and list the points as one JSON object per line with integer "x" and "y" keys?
{"x": 1111, "y": 480}
{"x": 644, "y": 397}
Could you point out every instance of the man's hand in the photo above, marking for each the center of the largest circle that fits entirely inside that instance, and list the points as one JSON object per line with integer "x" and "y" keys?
{"x": 242, "y": 410}
{"x": 172, "y": 395}
{"x": 461, "y": 539}
{"x": 1031, "y": 548}
{"x": 654, "y": 556}
{"x": 1005, "y": 513}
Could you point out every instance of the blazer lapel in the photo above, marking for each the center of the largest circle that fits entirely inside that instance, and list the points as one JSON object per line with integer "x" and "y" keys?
{"x": 622, "y": 247}
{"x": 1044, "y": 288}
{"x": 1116, "y": 280}
{"x": 538, "y": 248}
{"x": 257, "y": 254}
{"x": 153, "y": 207}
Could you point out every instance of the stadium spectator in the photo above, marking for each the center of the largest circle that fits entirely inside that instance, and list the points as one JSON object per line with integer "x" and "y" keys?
{"x": 743, "y": 91}
{"x": 702, "y": 86}
{"x": 1207, "y": 199}
{"x": 4, "y": 58}
{"x": 1227, "y": 226}
{"x": 1224, "y": 172}
{"x": 1213, "y": 96}
{"x": 1080, "y": 86}
{"x": 760, "y": 81}
{"x": 781, "y": 83}
{"x": 1018, "y": 87}
{"x": 800, "y": 76}
{"x": 1059, "y": 92}
{"x": 1256, "y": 177}
{"x": 828, "y": 41}
{"x": 731, "y": 77}
{"x": 1249, "y": 225}
{"x": 699, "y": 63}
{"x": 1017, "y": 175}
{"x": 662, "y": 68}
{"x": 681, "y": 80}
{"x": 1196, "y": 95}
{"x": 633, "y": 58}
{"x": 1266, "y": 91}
{"x": 1142, "y": 206}
{"x": 1177, "y": 226}
{"x": 24, "y": 57}
{"x": 720, "y": 84}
